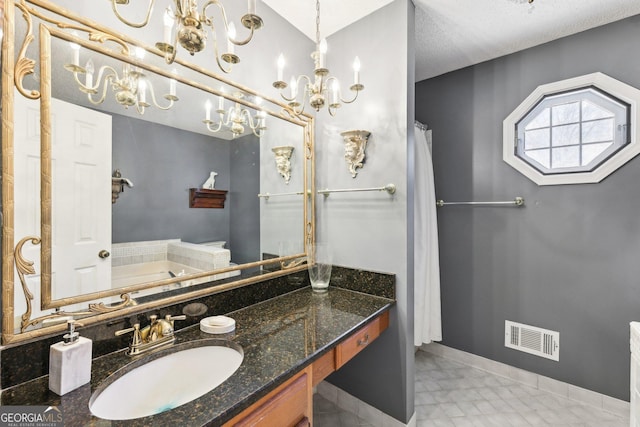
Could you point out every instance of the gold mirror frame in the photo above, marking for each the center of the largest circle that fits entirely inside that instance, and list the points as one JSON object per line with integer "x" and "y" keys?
{"x": 13, "y": 73}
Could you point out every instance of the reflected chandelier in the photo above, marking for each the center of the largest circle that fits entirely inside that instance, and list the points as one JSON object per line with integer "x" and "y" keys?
{"x": 236, "y": 118}
{"x": 130, "y": 87}
{"x": 321, "y": 88}
{"x": 190, "y": 29}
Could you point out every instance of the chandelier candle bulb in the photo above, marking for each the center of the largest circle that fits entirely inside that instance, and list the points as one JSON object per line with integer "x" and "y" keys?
{"x": 172, "y": 87}
{"x": 75, "y": 50}
{"x": 142, "y": 88}
{"x": 280, "y": 67}
{"x": 334, "y": 93}
{"x": 356, "y": 71}
{"x": 322, "y": 49}
{"x": 252, "y": 7}
{"x": 168, "y": 26}
{"x": 221, "y": 101}
{"x": 231, "y": 35}
{"x": 89, "y": 74}
{"x": 294, "y": 87}
{"x": 207, "y": 109}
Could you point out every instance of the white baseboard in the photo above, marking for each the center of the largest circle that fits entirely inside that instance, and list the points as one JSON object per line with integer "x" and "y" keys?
{"x": 578, "y": 394}
{"x": 363, "y": 410}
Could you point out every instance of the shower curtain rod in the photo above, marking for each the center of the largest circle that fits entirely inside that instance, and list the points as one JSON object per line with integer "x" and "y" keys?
{"x": 518, "y": 201}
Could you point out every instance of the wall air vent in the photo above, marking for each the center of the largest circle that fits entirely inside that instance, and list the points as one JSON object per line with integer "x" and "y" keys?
{"x": 533, "y": 340}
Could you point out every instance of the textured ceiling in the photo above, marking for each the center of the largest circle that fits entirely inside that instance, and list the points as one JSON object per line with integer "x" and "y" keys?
{"x": 455, "y": 34}
{"x": 452, "y": 34}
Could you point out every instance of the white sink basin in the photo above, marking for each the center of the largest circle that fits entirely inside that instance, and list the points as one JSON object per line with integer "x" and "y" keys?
{"x": 165, "y": 383}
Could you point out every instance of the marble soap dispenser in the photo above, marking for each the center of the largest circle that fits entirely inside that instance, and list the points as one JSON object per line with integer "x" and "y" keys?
{"x": 69, "y": 362}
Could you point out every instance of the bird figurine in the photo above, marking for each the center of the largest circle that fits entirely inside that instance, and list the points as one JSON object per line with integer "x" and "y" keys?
{"x": 209, "y": 184}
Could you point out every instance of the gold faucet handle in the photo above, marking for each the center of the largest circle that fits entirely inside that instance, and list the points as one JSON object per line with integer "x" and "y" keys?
{"x": 136, "y": 340}
{"x": 168, "y": 322}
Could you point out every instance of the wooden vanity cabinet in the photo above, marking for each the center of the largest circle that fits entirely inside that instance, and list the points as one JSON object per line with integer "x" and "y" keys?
{"x": 335, "y": 358}
{"x": 289, "y": 405}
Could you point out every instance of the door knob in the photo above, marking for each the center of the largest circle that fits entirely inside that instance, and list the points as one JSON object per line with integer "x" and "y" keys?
{"x": 104, "y": 254}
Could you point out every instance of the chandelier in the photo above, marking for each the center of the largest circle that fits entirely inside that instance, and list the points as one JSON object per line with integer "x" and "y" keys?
{"x": 186, "y": 25}
{"x": 321, "y": 89}
{"x": 236, "y": 118}
{"x": 130, "y": 86}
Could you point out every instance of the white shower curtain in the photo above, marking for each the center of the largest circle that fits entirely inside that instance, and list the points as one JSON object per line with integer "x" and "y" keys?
{"x": 427, "y": 314}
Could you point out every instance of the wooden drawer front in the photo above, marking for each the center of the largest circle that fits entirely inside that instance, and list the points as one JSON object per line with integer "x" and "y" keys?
{"x": 323, "y": 367}
{"x": 288, "y": 407}
{"x": 360, "y": 339}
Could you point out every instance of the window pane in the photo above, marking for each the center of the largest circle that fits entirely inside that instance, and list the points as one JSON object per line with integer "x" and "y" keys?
{"x": 540, "y": 156}
{"x": 565, "y": 113}
{"x": 566, "y": 135}
{"x": 591, "y": 111}
{"x": 598, "y": 131}
{"x": 565, "y": 157}
{"x": 542, "y": 120}
{"x": 591, "y": 151}
{"x": 538, "y": 138}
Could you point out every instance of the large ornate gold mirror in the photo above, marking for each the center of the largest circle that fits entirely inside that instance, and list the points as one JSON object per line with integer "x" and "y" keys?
{"x": 127, "y": 183}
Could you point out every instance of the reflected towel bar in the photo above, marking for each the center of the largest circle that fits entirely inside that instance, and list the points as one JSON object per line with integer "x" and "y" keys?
{"x": 267, "y": 195}
{"x": 518, "y": 201}
{"x": 389, "y": 188}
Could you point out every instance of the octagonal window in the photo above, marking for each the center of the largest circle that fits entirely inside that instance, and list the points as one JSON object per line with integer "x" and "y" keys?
{"x": 574, "y": 131}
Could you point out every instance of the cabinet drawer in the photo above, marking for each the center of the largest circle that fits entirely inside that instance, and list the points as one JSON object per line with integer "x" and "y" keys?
{"x": 360, "y": 339}
{"x": 287, "y": 406}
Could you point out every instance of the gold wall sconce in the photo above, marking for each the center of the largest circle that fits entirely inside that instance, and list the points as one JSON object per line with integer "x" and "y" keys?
{"x": 283, "y": 161}
{"x": 355, "y": 144}
{"x": 117, "y": 185}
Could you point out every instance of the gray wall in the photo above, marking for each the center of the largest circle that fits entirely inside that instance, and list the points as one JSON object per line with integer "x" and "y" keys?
{"x": 163, "y": 163}
{"x": 568, "y": 261}
{"x": 244, "y": 205}
{"x": 371, "y": 230}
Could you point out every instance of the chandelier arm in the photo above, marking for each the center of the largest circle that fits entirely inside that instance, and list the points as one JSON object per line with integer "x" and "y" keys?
{"x": 249, "y": 119}
{"x": 225, "y": 21}
{"x": 104, "y": 68}
{"x": 302, "y": 77}
{"x": 217, "y": 128}
{"x": 352, "y": 100}
{"x": 129, "y": 23}
{"x": 215, "y": 50}
{"x": 154, "y": 100}
{"x": 107, "y": 80}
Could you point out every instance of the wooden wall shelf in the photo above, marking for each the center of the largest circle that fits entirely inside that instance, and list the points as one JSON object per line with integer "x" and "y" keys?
{"x": 203, "y": 198}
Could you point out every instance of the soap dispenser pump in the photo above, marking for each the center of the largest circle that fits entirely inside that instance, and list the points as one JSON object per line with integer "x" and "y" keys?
{"x": 69, "y": 361}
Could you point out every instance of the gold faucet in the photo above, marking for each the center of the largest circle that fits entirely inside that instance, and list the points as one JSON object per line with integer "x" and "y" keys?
{"x": 159, "y": 333}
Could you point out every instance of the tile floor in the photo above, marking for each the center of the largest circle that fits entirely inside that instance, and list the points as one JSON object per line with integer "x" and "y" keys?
{"x": 451, "y": 394}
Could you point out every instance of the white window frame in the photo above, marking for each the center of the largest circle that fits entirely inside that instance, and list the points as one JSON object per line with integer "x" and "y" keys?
{"x": 613, "y": 87}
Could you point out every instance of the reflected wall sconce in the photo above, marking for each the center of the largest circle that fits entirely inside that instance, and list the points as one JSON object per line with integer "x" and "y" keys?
{"x": 130, "y": 87}
{"x": 355, "y": 144}
{"x": 236, "y": 118}
{"x": 117, "y": 185}
{"x": 320, "y": 89}
{"x": 283, "y": 161}
{"x": 186, "y": 25}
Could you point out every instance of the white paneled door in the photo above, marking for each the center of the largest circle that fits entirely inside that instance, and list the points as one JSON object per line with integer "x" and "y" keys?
{"x": 81, "y": 195}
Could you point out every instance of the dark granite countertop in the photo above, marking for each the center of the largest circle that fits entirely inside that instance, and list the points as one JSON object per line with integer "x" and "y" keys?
{"x": 279, "y": 337}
